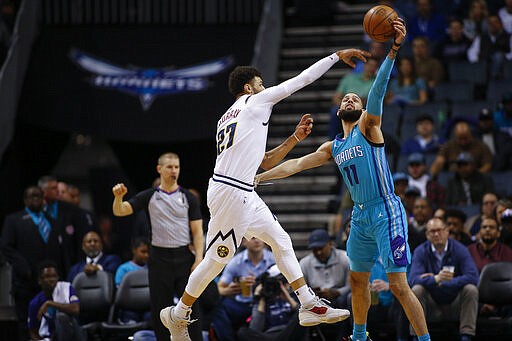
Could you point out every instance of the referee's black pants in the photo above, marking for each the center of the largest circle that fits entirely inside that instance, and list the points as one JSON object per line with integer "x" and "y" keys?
{"x": 169, "y": 269}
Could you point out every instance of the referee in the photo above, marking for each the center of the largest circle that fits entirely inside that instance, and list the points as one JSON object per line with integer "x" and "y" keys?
{"x": 175, "y": 223}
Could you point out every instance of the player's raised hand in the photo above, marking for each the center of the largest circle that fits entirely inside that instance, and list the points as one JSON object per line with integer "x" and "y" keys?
{"x": 348, "y": 54}
{"x": 400, "y": 30}
{"x": 119, "y": 190}
{"x": 303, "y": 129}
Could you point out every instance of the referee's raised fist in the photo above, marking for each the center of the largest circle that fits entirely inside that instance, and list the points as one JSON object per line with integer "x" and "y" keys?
{"x": 119, "y": 189}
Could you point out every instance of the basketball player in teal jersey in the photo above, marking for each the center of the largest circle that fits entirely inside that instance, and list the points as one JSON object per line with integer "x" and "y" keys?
{"x": 379, "y": 223}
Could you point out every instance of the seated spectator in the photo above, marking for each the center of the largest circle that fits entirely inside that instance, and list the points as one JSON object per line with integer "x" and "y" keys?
{"x": 455, "y": 44}
{"x": 52, "y": 313}
{"x": 411, "y": 194}
{"x": 140, "y": 251}
{"x": 455, "y": 220}
{"x": 476, "y": 22}
{"x": 401, "y": 182}
{"x": 274, "y": 311}
{"x": 499, "y": 142}
{"x": 418, "y": 177}
{"x": 426, "y": 141}
{"x": 472, "y": 225}
{"x": 444, "y": 278}
{"x": 427, "y": 67}
{"x": 422, "y": 212}
{"x": 326, "y": 270}
{"x": 505, "y": 14}
{"x": 506, "y": 227}
{"x": 488, "y": 248}
{"x": 468, "y": 185}
{"x": 95, "y": 260}
{"x": 500, "y": 208}
{"x": 440, "y": 213}
{"x": 503, "y": 116}
{"x": 427, "y": 22}
{"x": 239, "y": 274}
{"x": 407, "y": 88}
{"x": 493, "y": 47}
{"x": 463, "y": 141}
{"x": 359, "y": 83}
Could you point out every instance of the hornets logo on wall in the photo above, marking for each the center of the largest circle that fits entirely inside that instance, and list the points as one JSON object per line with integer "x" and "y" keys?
{"x": 222, "y": 251}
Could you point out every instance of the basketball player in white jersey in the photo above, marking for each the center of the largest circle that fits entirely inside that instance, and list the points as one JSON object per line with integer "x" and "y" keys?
{"x": 236, "y": 210}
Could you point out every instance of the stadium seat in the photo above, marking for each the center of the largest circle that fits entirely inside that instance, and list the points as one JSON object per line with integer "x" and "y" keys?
{"x": 391, "y": 118}
{"x": 495, "y": 287}
{"x": 469, "y": 72}
{"x": 502, "y": 182}
{"x": 496, "y": 88}
{"x": 454, "y": 91}
{"x": 470, "y": 108}
{"x": 95, "y": 293}
{"x": 132, "y": 295}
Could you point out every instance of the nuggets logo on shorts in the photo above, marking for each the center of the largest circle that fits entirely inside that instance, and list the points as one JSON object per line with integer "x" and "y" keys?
{"x": 222, "y": 251}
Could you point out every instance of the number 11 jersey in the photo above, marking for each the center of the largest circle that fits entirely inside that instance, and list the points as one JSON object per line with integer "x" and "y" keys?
{"x": 363, "y": 165}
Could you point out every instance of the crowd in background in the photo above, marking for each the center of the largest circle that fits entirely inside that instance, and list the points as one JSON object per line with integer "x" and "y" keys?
{"x": 447, "y": 182}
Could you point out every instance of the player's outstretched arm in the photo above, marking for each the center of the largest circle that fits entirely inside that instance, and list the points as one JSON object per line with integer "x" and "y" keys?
{"x": 120, "y": 208}
{"x": 302, "y": 130}
{"x": 293, "y": 166}
{"x": 279, "y": 92}
{"x": 372, "y": 117}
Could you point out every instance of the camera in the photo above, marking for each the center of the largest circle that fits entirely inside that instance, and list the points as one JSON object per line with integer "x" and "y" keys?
{"x": 271, "y": 286}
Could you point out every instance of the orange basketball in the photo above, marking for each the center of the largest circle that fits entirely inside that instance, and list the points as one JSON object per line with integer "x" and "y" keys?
{"x": 378, "y": 23}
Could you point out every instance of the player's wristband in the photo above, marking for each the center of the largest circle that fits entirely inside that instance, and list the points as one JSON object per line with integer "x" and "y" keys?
{"x": 396, "y": 46}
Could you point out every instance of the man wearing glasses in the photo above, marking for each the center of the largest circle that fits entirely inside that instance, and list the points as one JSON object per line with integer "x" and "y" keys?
{"x": 444, "y": 278}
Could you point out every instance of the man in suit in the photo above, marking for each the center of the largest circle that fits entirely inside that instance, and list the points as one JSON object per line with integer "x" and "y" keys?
{"x": 72, "y": 221}
{"x": 95, "y": 260}
{"x": 28, "y": 236}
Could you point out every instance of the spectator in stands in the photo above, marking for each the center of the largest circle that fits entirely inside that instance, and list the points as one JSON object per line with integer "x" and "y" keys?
{"x": 476, "y": 22}
{"x": 455, "y": 220}
{"x": 455, "y": 45}
{"x": 95, "y": 260}
{"x": 242, "y": 270}
{"x": 506, "y": 227}
{"x": 378, "y": 51}
{"x": 29, "y": 236}
{"x": 411, "y": 194}
{"x": 427, "y": 67}
{"x": 500, "y": 208}
{"x": 64, "y": 195}
{"x": 359, "y": 83}
{"x": 407, "y": 88}
{"x": 468, "y": 185}
{"x": 422, "y": 213}
{"x": 401, "y": 182}
{"x": 505, "y": 14}
{"x": 444, "y": 277}
{"x": 493, "y": 47}
{"x": 418, "y": 177}
{"x": 274, "y": 311}
{"x": 52, "y": 312}
{"x": 72, "y": 220}
{"x": 488, "y": 248}
{"x": 503, "y": 116}
{"x": 440, "y": 213}
{"x": 326, "y": 270}
{"x": 473, "y": 224}
{"x": 140, "y": 251}
{"x": 74, "y": 193}
{"x": 463, "y": 141}
{"x": 426, "y": 141}
{"x": 427, "y": 23}
{"x": 499, "y": 142}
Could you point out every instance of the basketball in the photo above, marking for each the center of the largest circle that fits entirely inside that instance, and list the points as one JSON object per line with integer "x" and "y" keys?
{"x": 378, "y": 23}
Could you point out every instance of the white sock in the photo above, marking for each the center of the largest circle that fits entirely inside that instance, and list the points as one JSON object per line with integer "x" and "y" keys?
{"x": 182, "y": 310}
{"x": 305, "y": 295}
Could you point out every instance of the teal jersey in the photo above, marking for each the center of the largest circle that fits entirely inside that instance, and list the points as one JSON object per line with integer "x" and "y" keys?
{"x": 363, "y": 165}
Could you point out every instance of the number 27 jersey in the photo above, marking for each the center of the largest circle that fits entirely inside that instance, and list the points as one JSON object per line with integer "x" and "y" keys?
{"x": 363, "y": 165}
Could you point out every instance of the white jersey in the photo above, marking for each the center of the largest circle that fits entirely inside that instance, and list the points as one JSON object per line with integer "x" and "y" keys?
{"x": 242, "y": 130}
